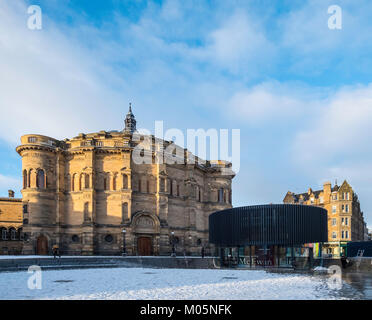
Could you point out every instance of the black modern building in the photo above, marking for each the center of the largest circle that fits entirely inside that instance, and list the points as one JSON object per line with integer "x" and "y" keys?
{"x": 267, "y": 235}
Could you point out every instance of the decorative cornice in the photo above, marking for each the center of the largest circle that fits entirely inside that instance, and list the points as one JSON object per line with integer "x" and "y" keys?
{"x": 24, "y": 147}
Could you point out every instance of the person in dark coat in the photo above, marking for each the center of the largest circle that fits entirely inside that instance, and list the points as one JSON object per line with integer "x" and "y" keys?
{"x": 343, "y": 261}
{"x": 202, "y": 252}
{"x": 55, "y": 251}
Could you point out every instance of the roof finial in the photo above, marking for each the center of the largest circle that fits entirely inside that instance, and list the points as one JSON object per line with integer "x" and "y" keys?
{"x": 130, "y": 121}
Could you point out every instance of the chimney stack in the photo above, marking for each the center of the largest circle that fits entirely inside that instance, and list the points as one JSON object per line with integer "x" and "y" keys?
{"x": 327, "y": 188}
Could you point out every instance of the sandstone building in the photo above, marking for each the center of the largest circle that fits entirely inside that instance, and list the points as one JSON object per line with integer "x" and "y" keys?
{"x": 345, "y": 218}
{"x": 87, "y": 195}
{"x": 10, "y": 224}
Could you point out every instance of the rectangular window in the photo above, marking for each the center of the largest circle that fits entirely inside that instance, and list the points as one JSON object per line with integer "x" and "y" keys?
{"x": 162, "y": 185}
{"x": 346, "y": 208}
{"x": 346, "y": 221}
{"x": 334, "y": 221}
{"x": 31, "y": 139}
{"x": 343, "y": 235}
{"x": 334, "y": 209}
{"x": 321, "y": 199}
{"x": 347, "y": 234}
{"x": 342, "y": 221}
{"x": 220, "y": 195}
{"x": 334, "y": 235}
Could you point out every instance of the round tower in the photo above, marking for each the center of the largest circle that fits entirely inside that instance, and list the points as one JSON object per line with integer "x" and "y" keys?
{"x": 39, "y": 171}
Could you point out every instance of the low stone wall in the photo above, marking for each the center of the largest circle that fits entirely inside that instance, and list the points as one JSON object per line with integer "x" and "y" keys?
{"x": 49, "y": 263}
{"x": 79, "y": 262}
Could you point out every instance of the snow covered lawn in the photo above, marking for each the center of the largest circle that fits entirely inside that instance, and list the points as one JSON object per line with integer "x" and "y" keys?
{"x": 146, "y": 283}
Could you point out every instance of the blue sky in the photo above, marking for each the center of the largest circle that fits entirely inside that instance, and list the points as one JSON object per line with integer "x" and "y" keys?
{"x": 300, "y": 93}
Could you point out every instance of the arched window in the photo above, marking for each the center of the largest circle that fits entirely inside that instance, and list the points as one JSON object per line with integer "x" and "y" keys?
{"x": 25, "y": 179}
{"x": 105, "y": 182}
{"x": 114, "y": 183}
{"x": 4, "y": 234}
{"x": 40, "y": 179}
{"x": 86, "y": 211}
{"x": 124, "y": 211}
{"x": 73, "y": 182}
{"x": 220, "y": 195}
{"x": 13, "y": 234}
{"x": 86, "y": 181}
{"x": 125, "y": 181}
{"x": 139, "y": 184}
{"x": 80, "y": 181}
{"x": 29, "y": 178}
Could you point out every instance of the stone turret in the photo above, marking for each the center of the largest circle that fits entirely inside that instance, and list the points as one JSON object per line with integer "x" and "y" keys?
{"x": 130, "y": 121}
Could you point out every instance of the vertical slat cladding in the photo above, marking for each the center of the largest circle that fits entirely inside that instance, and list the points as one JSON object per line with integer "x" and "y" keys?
{"x": 282, "y": 224}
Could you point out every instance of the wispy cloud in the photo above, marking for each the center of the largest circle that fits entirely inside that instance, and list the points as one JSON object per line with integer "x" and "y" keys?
{"x": 9, "y": 183}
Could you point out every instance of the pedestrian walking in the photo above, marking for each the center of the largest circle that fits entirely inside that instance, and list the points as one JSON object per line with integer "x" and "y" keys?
{"x": 56, "y": 251}
{"x": 202, "y": 252}
{"x": 343, "y": 261}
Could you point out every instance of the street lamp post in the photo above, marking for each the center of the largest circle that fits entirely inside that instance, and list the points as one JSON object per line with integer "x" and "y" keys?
{"x": 124, "y": 251}
{"x": 173, "y": 247}
{"x": 190, "y": 244}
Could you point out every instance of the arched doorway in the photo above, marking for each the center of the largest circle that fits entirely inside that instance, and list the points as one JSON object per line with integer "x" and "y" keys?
{"x": 42, "y": 245}
{"x": 146, "y": 229}
{"x": 144, "y": 246}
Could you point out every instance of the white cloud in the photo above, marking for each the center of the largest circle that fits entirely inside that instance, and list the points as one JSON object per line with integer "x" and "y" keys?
{"x": 171, "y": 10}
{"x": 238, "y": 45}
{"x": 9, "y": 183}
{"x": 340, "y": 129}
{"x": 237, "y": 40}
{"x": 271, "y": 101}
{"x": 49, "y": 83}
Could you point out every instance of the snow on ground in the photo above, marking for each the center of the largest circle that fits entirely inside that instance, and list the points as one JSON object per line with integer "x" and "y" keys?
{"x": 146, "y": 283}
